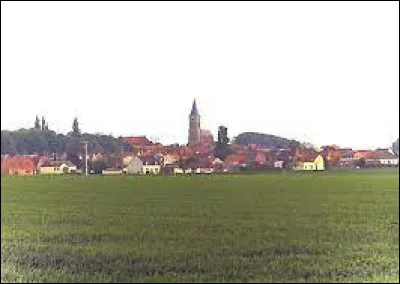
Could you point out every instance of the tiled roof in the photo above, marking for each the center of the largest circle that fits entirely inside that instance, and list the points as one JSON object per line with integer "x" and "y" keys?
{"x": 136, "y": 140}
{"x": 235, "y": 159}
{"x": 149, "y": 160}
{"x": 384, "y": 154}
{"x": 17, "y": 163}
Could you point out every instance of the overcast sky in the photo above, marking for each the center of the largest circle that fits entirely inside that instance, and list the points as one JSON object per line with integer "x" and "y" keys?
{"x": 324, "y": 72}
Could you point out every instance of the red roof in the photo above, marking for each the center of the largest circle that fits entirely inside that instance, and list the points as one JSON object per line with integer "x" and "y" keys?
{"x": 136, "y": 140}
{"x": 235, "y": 159}
{"x": 17, "y": 163}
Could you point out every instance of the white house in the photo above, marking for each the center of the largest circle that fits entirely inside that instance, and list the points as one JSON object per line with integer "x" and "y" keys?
{"x": 170, "y": 159}
{"x": 57, "y": 167}
{"x": 178, "y": 171}
{"x": 278, "y": 164}
{"x": 135, "y": 166}
{"x": 386, "y": 158}
{"x": 151, "y": 165}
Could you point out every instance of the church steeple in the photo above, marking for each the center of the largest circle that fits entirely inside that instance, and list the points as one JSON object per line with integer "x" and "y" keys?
{"x": 194, "y": 125}
{"x": 194, "y": 108}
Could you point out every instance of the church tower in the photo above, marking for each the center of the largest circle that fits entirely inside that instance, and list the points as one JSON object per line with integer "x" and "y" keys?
{"x": 194, "y": 125}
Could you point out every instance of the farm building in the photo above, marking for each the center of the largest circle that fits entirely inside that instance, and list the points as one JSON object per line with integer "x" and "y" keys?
{"x": 316, "y": 164}
{"x": 135, "y": 166}
{"x": 57, "y": 167}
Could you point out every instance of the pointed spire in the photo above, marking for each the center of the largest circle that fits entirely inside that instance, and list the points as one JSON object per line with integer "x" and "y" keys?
{"x": 194, "y": 108}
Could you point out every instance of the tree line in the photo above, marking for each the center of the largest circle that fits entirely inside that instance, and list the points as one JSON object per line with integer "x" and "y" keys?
{"x": 41, "y": 140}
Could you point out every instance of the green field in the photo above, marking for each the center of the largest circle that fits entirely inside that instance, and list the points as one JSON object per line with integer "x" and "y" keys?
{"x": 274, "y": 227}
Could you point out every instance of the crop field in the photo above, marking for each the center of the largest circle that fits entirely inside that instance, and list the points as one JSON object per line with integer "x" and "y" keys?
{"x": 272, "y": 227}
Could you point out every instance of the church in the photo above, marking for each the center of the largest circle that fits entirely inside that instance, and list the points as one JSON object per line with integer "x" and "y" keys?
{"x": 197, "y": 136}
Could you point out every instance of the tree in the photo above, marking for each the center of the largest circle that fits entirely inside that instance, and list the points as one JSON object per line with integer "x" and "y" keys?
{"x": 75, "y": 152}
{"x": 37, "y": 123}
{"x": 360, "y": 163}
{"x": 395, "y": 147}
{"x": 223, "y": 135}
{"x": 43, "y": 123}
{"x": 222, "y": 150}
{"x": 75, "y": 127}
{"x": 98, "y": 166}
{"x": 7, "y": 143}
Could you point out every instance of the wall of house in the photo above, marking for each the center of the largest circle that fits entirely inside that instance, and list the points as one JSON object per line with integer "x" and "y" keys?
{"x": 389, "y": 161}
{"x": 308, "y": 166}
{"x": 278, "y": 164}
{"x": 319, "y": 163}
{"x": 50, "y": 170}
{"x": 169, "y": 160}
{"x": 106, "y": 172}
{"x": 135, "y": 166}
{"x": 178, "y": 171}
{"x": 152, "y": 169}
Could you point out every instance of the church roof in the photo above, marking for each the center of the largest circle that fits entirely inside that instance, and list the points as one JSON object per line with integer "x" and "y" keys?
{"x": 194, "y": 108}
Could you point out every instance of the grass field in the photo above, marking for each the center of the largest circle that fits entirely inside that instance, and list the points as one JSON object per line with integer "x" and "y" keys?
{"x": 276, "y": 227}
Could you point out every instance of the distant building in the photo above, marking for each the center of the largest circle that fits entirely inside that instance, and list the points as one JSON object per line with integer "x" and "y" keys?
{"x": 278, "y": 164}
{"x": 194, "y": 126}
{"x": 57, "y": 167}
{"x": 316, "y": 164}
{"x": 151, "y": 165}
{"x": 170, "y": 159}
{"x": 386, "y": 158}
{"x": 135, "y": 166}
{"x": 137, "y": 140}
{"x": 18, "y": 165}
{"x": 111, "y": 171}
{"x": 206, "y": 136}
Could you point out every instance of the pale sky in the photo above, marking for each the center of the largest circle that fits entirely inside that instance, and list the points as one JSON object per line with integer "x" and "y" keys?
{"x": 323, "y": 72}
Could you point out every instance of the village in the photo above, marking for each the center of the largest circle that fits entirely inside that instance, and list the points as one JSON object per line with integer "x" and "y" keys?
{"x": 198, "y": 156}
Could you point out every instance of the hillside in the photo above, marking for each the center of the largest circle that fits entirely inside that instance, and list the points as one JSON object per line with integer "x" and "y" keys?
{"x": 267, "y": 140}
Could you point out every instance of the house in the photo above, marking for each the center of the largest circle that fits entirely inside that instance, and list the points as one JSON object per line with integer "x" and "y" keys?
{"x": 278, "y": 164}
{"x": 57, "y": 167}
{"x": 151, "y": 165}
{"x": 364, "y": 154}
{"x": 260, "y": 159}
{"x": 170, "y": 159}
{"x": 346, "y": 158}
{"x": 386, "y": 158}
{"x": 178, "y": 171}
{"x": 96, "y": 157}
{"x": 17, "y": 165}
{"x": 135, "y": 166}
{"x": 235, "y": 159}
{"x": 127, "y": 159}
{"x": 111, "y": 171}
{"x": 317, "y": 164}
{"x": 206, "y": 137}
{"x": 136, "y": 140}
{"x": 218, "y": 165}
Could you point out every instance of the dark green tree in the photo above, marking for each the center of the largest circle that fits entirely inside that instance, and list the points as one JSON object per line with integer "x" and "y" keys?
{"x": 75, "y": 127}
{"x": 43, "y": 123}
{"x": 7, "y": 143}
{"x": 37, "y": 123}
{"x": 222, "y": 149}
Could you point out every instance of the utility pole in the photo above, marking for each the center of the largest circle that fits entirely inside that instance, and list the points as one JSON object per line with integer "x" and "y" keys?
{"x": 86, "y": 161}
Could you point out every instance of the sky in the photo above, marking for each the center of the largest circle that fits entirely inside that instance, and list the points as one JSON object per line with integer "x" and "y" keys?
{"x": 321, "y": 72}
